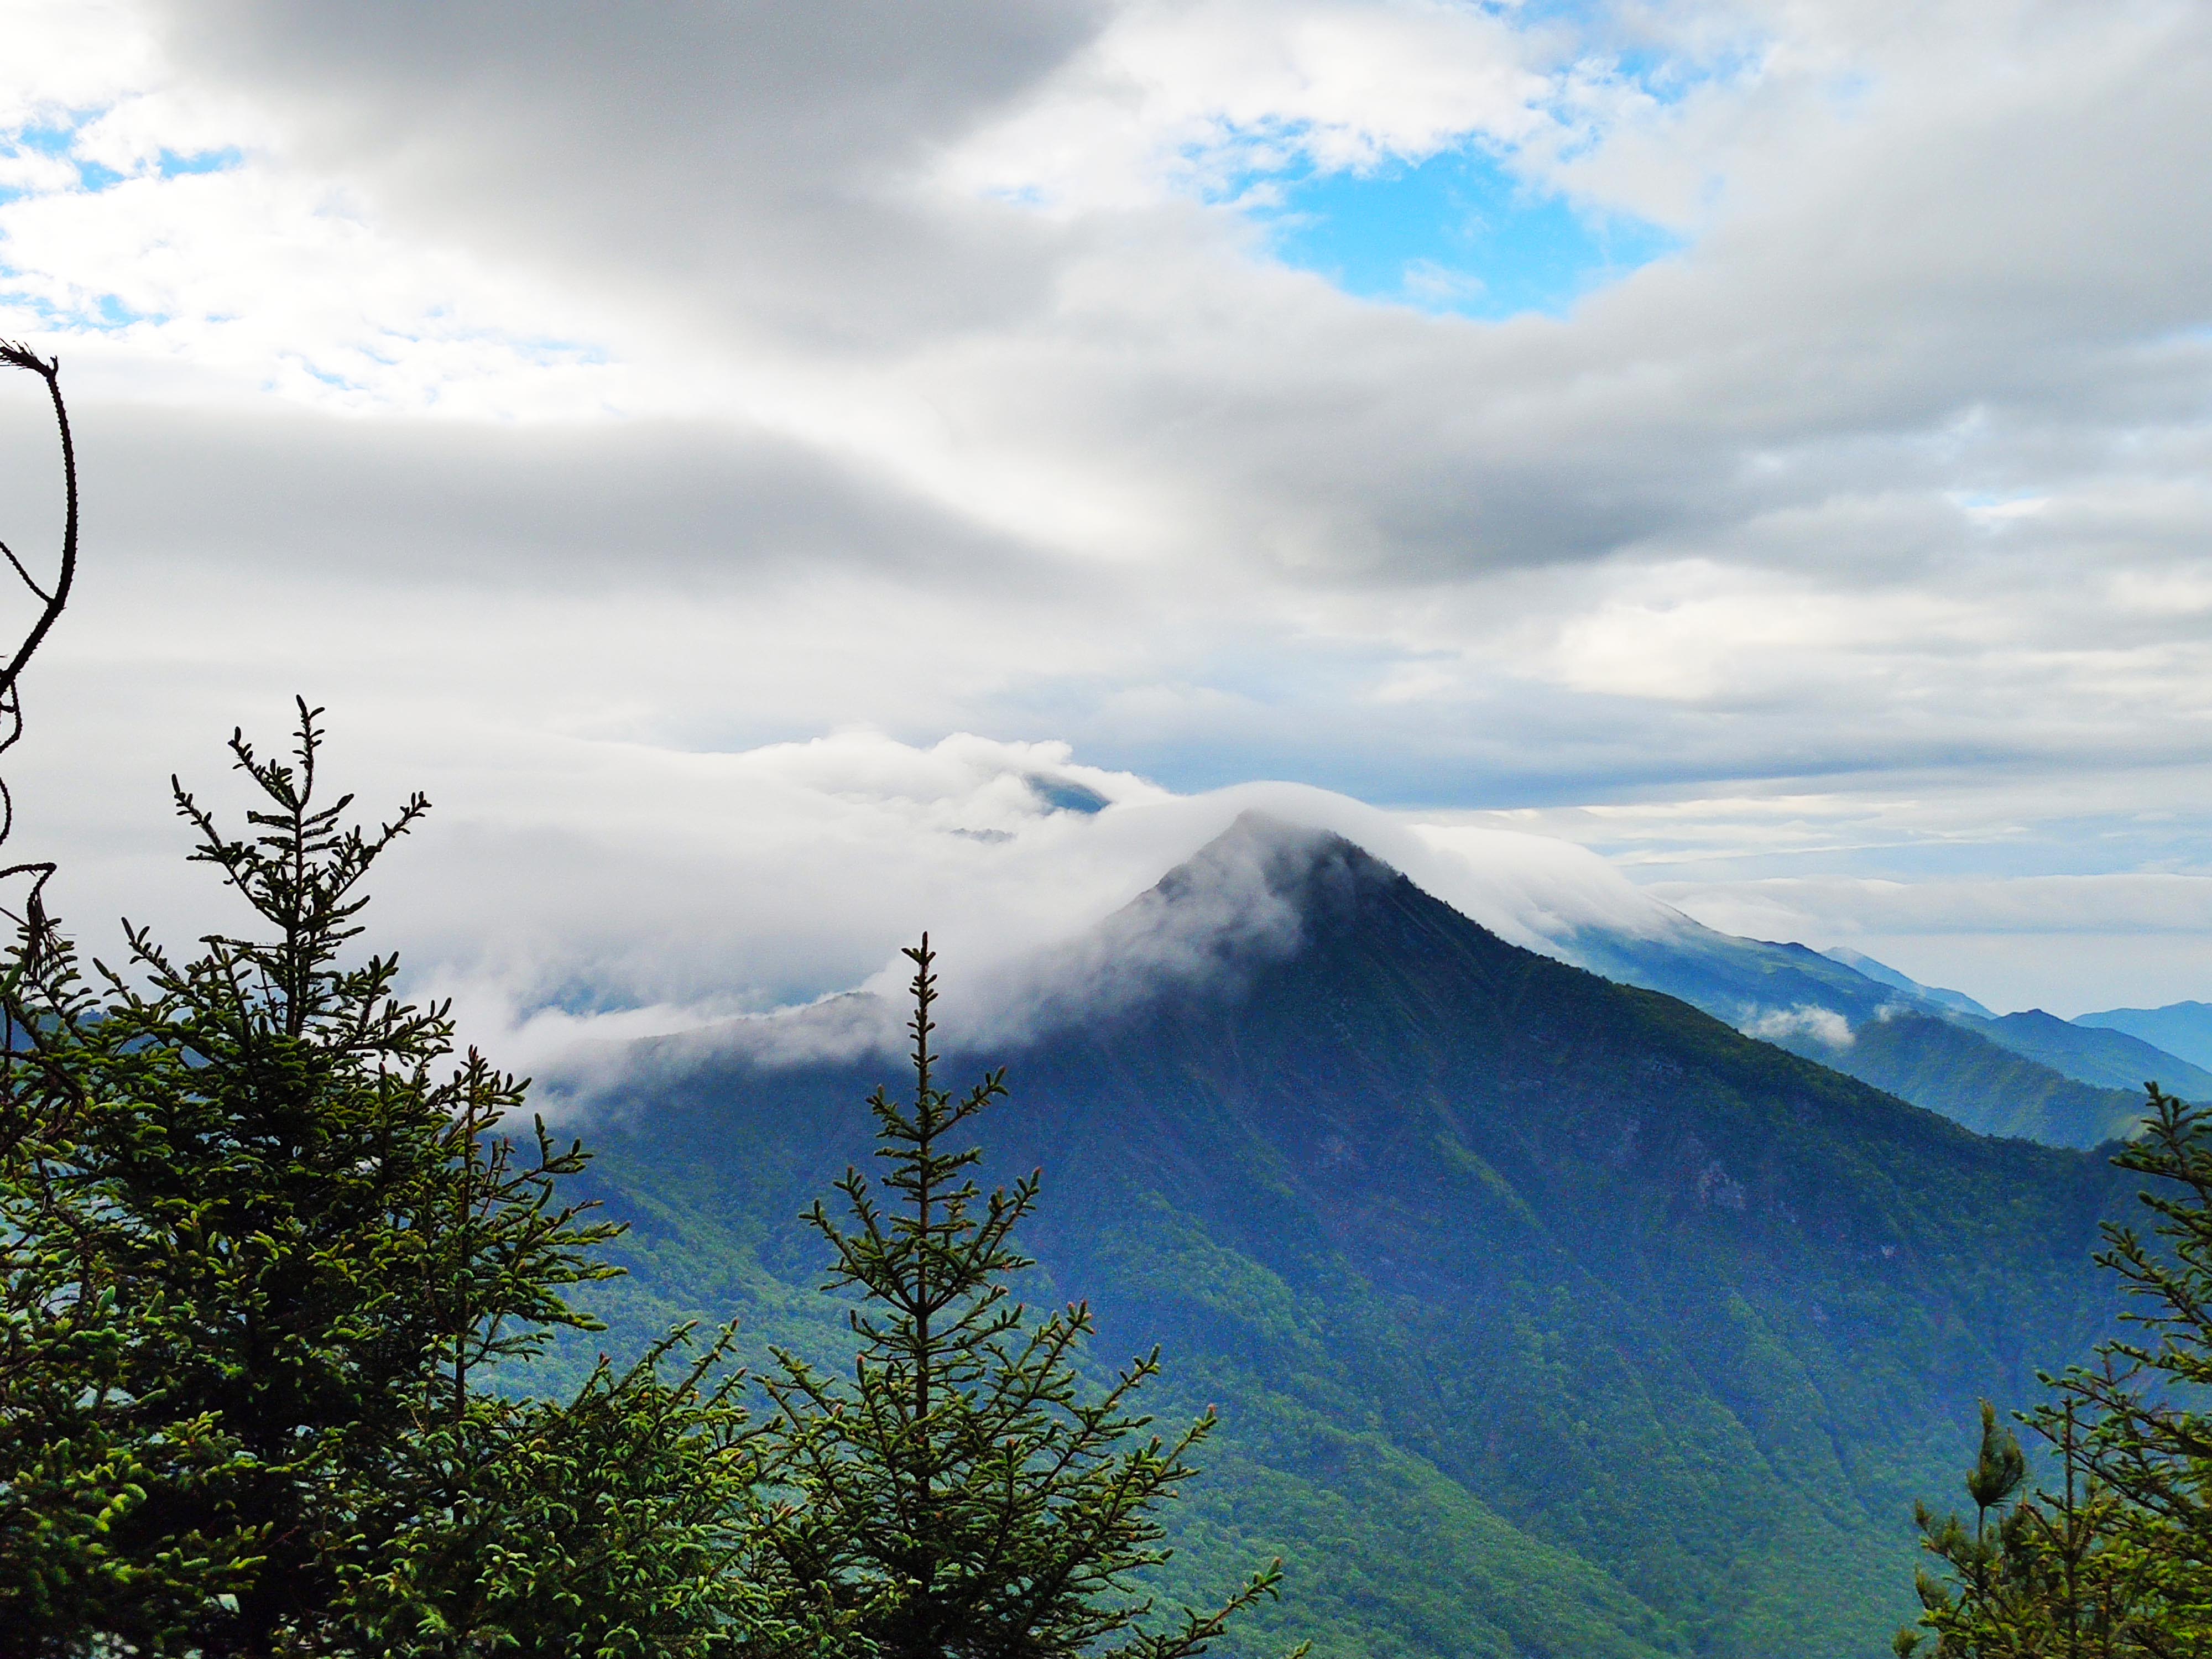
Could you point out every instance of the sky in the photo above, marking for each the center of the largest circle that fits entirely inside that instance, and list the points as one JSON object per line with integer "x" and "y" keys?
{"x": 782, "y": 475}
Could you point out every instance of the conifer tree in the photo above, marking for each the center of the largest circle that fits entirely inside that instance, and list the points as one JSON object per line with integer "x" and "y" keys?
{"x": 2115, "y": 1557}
{"x": 325, "y": 1252}
{"x": 613, "y": 1524}
{"x": 96, "y": 1456}
{"x": 79, "y": 1452}
{"x": 960, "y": 1497}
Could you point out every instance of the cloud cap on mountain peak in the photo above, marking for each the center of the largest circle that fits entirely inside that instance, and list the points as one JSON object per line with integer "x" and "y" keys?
{"x": 545, "y": 381}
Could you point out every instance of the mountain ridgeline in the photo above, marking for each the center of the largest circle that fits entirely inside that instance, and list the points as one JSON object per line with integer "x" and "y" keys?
{"x": 2180, "y": 1028}
{"x": 1547, "y": 1316}
{"x": 2027, "y": 1075}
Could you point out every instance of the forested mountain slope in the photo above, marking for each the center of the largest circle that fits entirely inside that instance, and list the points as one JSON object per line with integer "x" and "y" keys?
{"x": 2111, "y": 1059}
{"x": 1950, "y": 1068}
{"x": 2009, "y": 1076}
{"x": 1882, "y": 974}
{"x": 1547, "y": 1316}
{"x": 2098, "y": 1049}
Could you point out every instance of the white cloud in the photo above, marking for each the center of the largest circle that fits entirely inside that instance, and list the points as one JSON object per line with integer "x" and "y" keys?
{"x": 1175, "y": 98}
{"x": 1823, "y": 1025}
{"x": 2140, "y": 903}
{"x": 535, "y": 383}
{"x": 72, "y": 55}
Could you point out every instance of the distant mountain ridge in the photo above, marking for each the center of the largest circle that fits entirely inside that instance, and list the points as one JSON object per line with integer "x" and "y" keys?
{"x": 2179, "y": 1028}
{"x": 1548, "y": 1316}
{"x": 2026, "y": 1074}
{"x": 2113, "y": 1058}
{"x": 1896, "y": 1036}
{"x": 1882, "y": 974}
{"x": 2091, "y": 1049}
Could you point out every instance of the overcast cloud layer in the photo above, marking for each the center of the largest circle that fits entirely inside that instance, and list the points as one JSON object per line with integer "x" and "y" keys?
{"x": 664, "y": 433}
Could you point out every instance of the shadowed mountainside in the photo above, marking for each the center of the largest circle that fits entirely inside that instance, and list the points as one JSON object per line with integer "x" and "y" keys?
{"x": 1547, "y": 1316}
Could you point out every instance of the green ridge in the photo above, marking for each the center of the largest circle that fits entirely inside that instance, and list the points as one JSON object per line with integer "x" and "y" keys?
{"x": 1546, "y": 1317}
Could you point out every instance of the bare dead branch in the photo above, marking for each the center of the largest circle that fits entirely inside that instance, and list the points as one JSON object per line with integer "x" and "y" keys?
{"x": 15, "y": 355}
{"x": 29, "y": 580}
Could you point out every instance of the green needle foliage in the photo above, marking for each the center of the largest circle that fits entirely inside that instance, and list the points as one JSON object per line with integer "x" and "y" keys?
{"x": 611, "y": 1524}
{"x": 960, "y": 1497}
{"x": 2116, "y": 1560}
{"x": 270, "y": 1253}
{"x": 91, "y": 1449}
{"x": 86, "y": 1447}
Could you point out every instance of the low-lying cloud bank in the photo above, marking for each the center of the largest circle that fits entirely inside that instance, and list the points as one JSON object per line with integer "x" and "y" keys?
{"x": 776, "y": 878}
{"x": 572, "y": 891}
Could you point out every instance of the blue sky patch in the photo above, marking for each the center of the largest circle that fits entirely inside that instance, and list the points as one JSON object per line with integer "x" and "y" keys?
{"x": 58, "y": 139}
{"x": 46, "y": 137}
{"x": 1065, "y": 794}
{"x": 1455, "y": 232}
{"x": 173, "y": 165}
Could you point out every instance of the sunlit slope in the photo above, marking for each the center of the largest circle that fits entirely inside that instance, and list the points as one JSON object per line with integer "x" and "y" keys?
{"x": 1950, "y": 1069}
{"x": 1546, "y": 1316}
{"x": 2087, "y": 1051}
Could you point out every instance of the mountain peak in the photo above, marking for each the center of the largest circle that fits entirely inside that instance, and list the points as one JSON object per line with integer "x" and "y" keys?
{"x": 1262, "y": 859}
{"x": 1255, "y": 895}
{"x": 1338, "y": 1123}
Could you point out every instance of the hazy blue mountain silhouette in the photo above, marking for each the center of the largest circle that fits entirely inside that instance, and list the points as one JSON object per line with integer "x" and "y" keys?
{"x": 2179, "y": 1028}
{"x": 2096, "y": 1049}
{"x": 2111, "y": 1058}
{"x": 1882, "y": 974}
